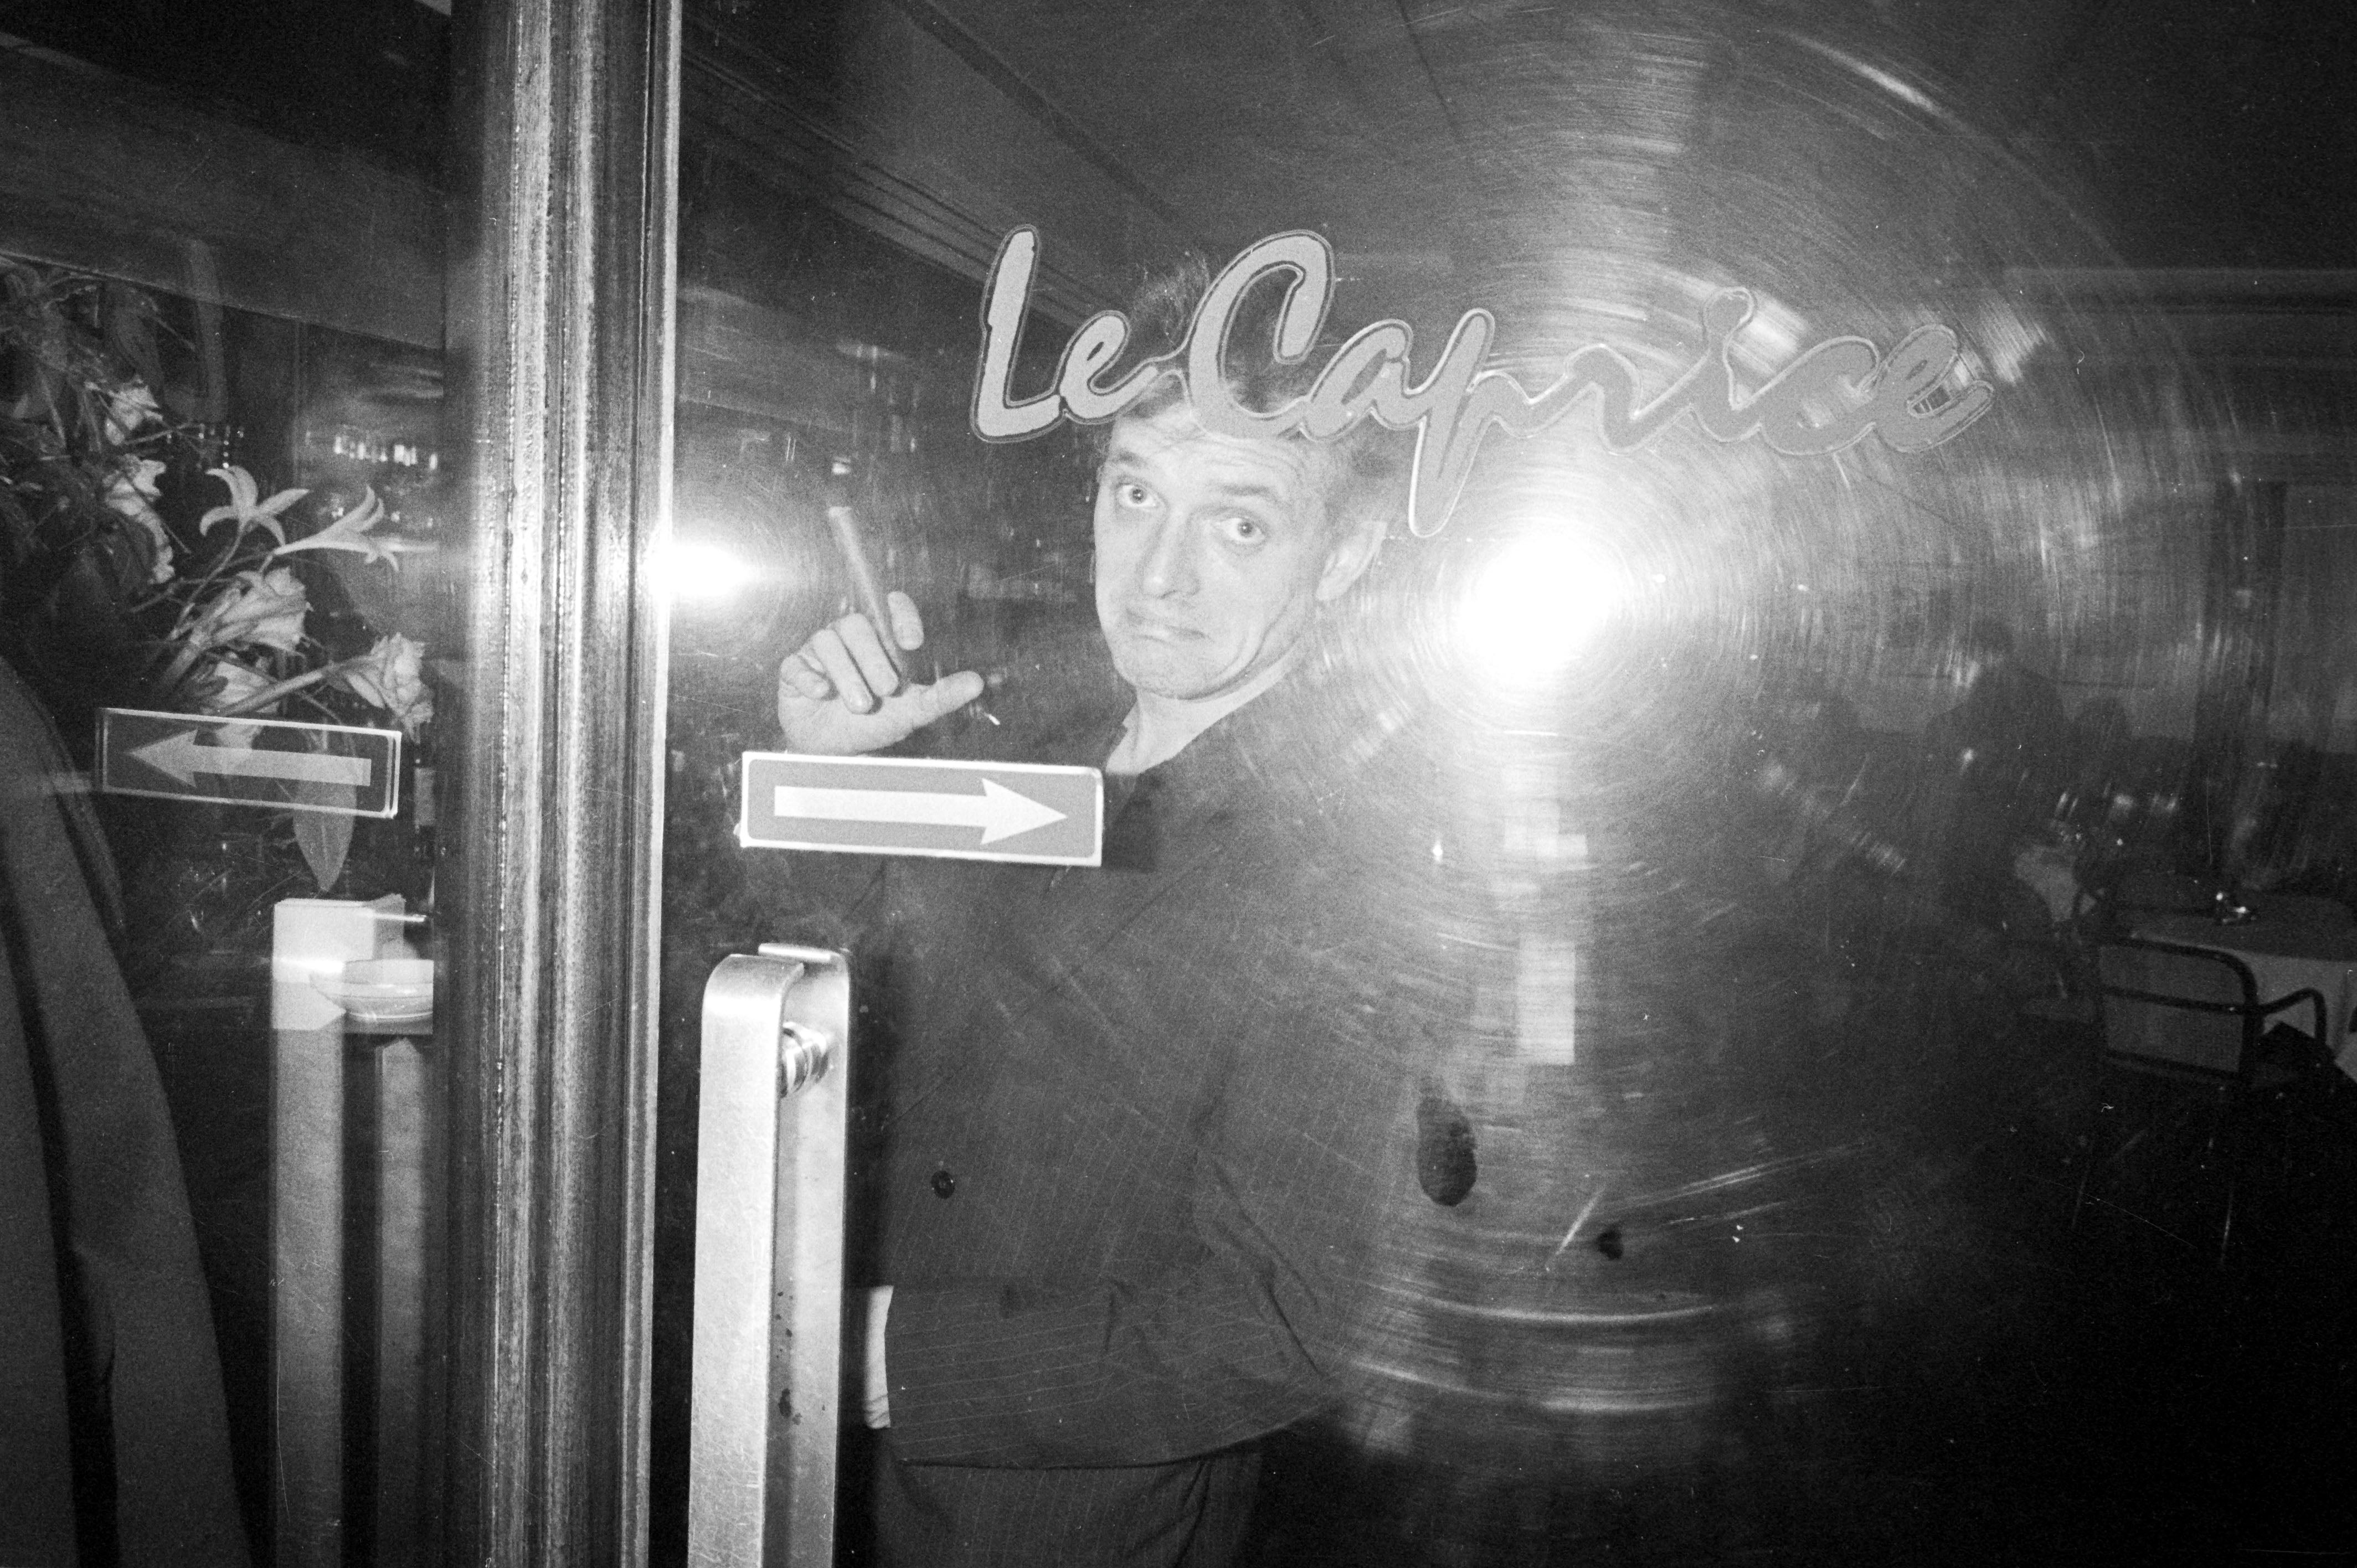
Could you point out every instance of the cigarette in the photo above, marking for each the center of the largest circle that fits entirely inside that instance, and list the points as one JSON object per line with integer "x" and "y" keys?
{"x": 865, "y": 590}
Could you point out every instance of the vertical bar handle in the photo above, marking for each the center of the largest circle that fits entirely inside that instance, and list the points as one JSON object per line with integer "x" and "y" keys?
{"x": 768, "y": 1355}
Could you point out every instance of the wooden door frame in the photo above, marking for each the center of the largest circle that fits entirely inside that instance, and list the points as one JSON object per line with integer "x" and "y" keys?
{"x": 561, "y": 283}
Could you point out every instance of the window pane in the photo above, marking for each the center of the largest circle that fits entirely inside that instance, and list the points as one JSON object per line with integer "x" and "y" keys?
{"x": 1585, "y": 1026}
{"x": 230, "y": 604}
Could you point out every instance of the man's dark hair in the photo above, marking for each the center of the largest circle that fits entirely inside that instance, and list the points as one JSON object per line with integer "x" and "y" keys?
{"x": 1367, "y": 476}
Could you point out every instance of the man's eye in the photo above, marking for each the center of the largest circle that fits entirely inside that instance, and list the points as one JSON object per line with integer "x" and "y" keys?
{"x": 1242, "y": 530}
{"x": 1130, "y": 493}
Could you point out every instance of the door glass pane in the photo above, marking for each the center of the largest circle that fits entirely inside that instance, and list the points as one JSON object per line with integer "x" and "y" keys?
{"x": 229, "y": 605}
{"x": 1584, "y": 1036}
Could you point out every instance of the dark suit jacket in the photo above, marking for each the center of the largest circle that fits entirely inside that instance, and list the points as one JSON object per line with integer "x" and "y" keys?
{"x": 113, "y": 1444}
{"x": 1136, "y": 1131}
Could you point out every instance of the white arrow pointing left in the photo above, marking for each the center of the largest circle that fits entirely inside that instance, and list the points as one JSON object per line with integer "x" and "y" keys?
{"x": 998, "y": 812}
{"x": 183, "y": 758}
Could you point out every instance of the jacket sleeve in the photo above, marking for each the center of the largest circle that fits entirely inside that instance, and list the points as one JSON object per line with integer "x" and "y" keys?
{"x": 1305, "y": 1144}
{"x": 92, "y": 1174}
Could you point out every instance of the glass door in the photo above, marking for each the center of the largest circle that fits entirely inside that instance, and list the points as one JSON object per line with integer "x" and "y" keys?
{"x": 1810, "y": 575}
{"x": 321, "y": 918}
{"x": 232, "y": 607}
{"x": 1629, "y": 596}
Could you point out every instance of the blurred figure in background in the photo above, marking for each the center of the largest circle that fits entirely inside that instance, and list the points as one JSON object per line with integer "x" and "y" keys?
{"x": 2100, "y": 765}
{"x": 2002, "y": 749}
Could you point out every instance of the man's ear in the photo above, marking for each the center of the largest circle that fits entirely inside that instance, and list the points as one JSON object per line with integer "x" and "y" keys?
{"x": 1348, "y": 558}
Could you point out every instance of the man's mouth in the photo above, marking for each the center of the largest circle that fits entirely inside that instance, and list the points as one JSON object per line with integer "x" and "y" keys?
{"x": 1160, "y": 629}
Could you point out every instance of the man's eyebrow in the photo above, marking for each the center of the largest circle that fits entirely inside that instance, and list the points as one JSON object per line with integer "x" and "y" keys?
{"x": 1252, "y": 489}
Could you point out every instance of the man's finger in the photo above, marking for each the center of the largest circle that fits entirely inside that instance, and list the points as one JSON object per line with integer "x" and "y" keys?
{"x": 867, "y": 649}
{"x": 950, "y": 692}
{"x": 907, "y": 626}
{"x": 826, "y": 646}
{"x": 804, "y": 677}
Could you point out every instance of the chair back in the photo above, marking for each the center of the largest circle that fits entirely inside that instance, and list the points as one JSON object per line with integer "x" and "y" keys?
{"x": 2301, "y": 910}
{"x": 2177, "y": 1006}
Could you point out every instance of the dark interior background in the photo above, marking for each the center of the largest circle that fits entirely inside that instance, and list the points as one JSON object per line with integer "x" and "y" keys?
{"x": 1834, "y": 1130}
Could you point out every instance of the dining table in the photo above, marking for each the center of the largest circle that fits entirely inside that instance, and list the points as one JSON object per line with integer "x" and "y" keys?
{"x": 2288, "y": 950}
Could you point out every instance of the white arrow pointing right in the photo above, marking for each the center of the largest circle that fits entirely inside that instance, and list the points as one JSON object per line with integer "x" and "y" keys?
{"x": 998, "y": 812}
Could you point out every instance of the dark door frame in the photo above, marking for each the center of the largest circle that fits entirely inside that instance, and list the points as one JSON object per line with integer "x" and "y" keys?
{"x": 561, "y": 241}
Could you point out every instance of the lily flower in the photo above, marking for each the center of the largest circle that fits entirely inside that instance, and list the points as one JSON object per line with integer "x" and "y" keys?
{"x": 130, "y": 409}
{"x": 391, "y": 675}
{"x": 266, "y": 608}
{"x": 351, "y": 532}
{"x": 245, "y": 508}
{"x": 228, "y": 686}
{"x": 131, "y": 484}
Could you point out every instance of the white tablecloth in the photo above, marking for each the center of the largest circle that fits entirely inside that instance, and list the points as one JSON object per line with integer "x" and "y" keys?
{"x": 2284, "y": 957}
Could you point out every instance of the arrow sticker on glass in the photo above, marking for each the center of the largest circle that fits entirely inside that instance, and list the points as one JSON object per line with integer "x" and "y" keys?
{"x": 250, "y": 762}
{"x": 965, "y": 811}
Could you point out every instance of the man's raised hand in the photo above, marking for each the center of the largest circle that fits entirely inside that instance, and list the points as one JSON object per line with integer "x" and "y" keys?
{"x": 839, "y": 695}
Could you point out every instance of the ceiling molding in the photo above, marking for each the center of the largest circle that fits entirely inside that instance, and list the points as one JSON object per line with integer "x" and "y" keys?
{"x": 903, "y": 136}
{"x": 987, "y": 63}
{"x": 115, "y": 179}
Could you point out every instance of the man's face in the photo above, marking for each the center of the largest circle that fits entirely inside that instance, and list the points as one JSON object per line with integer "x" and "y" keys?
{"x": 1211, "y": 554}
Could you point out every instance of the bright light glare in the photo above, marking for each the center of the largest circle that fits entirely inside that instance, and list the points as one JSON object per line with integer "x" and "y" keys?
{"x": 694, "y": 573}
{"x": 1533, "y": 605}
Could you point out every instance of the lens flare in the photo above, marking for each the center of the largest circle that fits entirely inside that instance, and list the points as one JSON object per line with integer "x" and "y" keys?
{"x": 1534, "y": 606}
{"x": 694, "y": 572}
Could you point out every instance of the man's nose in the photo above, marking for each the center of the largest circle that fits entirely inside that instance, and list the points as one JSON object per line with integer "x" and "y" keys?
{"x": 1169, "y": 568}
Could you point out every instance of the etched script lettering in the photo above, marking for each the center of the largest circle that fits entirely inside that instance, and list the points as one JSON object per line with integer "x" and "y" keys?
{"x": 1829, "y": 398}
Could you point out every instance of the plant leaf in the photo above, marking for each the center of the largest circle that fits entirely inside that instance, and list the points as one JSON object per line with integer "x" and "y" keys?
{"x": 324, "y": 837}
{"x": 128, "y": 318}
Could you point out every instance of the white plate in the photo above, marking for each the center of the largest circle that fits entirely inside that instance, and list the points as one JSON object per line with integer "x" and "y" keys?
{"x": 381, "y": 990}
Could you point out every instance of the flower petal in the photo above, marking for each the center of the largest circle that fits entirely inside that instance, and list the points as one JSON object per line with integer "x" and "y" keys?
{"x": 372, "y": 549}
{"x": 241, "y": 487}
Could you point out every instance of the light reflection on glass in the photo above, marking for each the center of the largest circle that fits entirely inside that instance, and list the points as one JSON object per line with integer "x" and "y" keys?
{"x": 692, "y": 572}
{"x": 1534, "y": 604}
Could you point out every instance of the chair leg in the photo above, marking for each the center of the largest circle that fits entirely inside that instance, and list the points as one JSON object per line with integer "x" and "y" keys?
{"x": 2236, "y": 1136}
{"x": 2088, "y": 1158}
{"x": 2226, "y": 1230}
{"x": 2230, "y": 1142}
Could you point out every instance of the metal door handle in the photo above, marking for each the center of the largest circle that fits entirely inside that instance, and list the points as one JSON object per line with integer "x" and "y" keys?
{"x": 767, "y": 1365}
